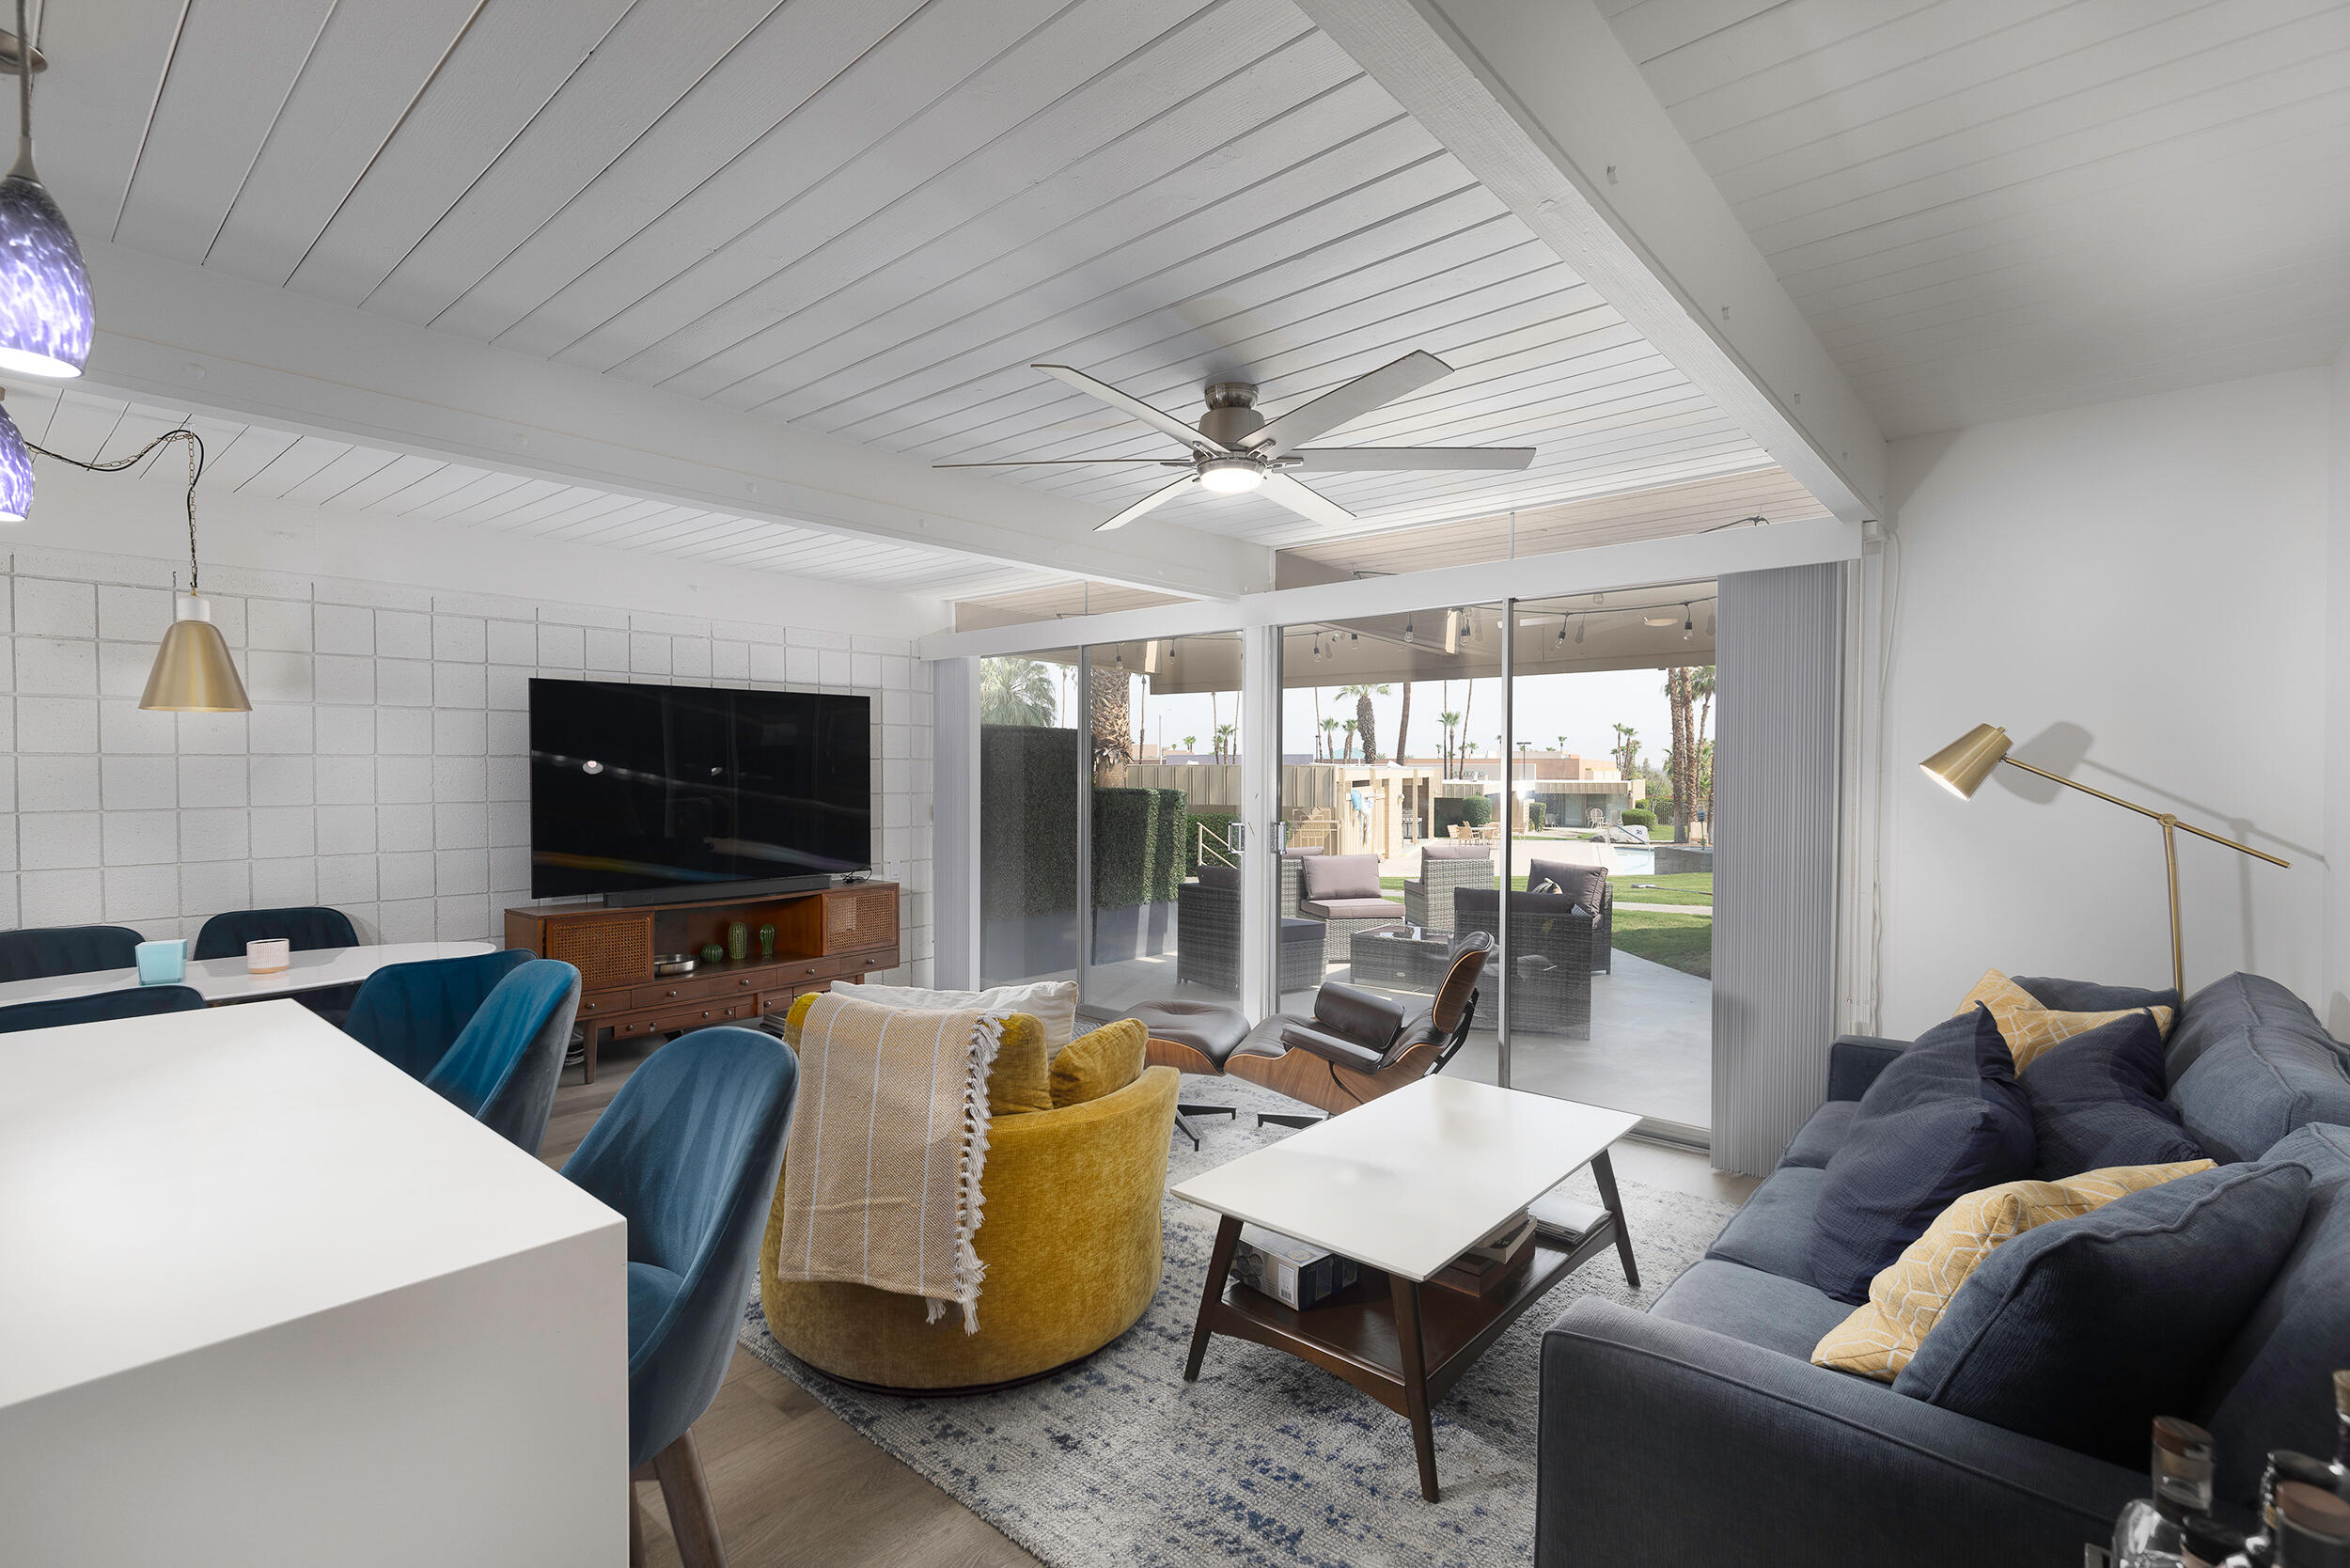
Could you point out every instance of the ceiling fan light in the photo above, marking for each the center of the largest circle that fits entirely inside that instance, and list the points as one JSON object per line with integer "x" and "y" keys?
{"x": 1229, "y": 475}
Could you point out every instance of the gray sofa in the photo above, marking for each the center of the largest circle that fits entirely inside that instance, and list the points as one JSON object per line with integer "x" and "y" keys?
{"x": 1700, "y": 1432}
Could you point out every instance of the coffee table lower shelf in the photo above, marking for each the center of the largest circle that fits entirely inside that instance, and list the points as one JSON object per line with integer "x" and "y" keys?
{"x": 1401, "y": 1342}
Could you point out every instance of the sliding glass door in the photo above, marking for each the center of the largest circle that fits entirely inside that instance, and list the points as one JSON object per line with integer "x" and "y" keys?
{"x": 1032, "y": 781}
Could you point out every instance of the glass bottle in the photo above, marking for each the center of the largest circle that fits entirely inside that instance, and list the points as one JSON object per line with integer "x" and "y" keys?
{"x": 2283, "y": 1466}
{"x": 2151, "y": 1532}
{"x": 2313, "y": 1527}
{"x": 2341, "y": 1434}
{"x": 2210, "y": 1543}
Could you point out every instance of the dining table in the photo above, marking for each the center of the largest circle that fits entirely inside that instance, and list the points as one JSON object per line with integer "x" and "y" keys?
{"x": 219, "y": 980}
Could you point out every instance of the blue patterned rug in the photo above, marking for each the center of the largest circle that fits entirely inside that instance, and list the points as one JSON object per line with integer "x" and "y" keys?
{"x": 1266, "y": 1460}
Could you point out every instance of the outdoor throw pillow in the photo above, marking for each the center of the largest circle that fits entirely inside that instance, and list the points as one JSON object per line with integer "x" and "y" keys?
{"x": 2083, "y": 1331}
{"x": 2032, "y": 1029}
{"x": 1586, "y": 884}
{"x": 1099, "y": 1063}
{"x": 1945, "y": 1118}
{"x": 2099, "y": 1101}
{"x": 1907, "y": 1299}
{"x": 1331, "y": 877}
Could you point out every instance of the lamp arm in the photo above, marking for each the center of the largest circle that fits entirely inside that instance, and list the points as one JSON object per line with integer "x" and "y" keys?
{"x": 2163, "y": 817}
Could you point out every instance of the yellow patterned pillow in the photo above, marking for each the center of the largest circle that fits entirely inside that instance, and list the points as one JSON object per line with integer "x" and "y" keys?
{"x": 1907, "y": 1296}
{"x": 2028, "y": 1028}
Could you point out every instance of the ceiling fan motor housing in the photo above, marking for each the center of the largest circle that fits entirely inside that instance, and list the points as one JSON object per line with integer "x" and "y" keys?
{"x": 1231, "y": 416}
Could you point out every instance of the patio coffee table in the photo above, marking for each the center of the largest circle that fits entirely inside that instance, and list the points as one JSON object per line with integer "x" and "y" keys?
{"x": 1403, "y": 1184}
{"x": 1402, "y": 958}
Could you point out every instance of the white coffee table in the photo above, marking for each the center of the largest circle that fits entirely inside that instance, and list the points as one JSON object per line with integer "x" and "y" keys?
{"x": 1403, "y": 1186}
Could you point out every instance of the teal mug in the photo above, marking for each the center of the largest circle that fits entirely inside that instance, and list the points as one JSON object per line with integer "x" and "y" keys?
{"x": 162, "y": 963}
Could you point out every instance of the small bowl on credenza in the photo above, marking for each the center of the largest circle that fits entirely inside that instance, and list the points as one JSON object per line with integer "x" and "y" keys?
{"x": 666, "y": 965}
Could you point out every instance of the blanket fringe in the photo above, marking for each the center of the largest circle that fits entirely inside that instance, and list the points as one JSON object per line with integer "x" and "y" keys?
{"x": 970, "y": 1272}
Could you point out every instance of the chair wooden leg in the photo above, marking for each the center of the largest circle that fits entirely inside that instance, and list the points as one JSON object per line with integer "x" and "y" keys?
{"x": 691, "y": 1520}
{"x": 636, "y": 1529}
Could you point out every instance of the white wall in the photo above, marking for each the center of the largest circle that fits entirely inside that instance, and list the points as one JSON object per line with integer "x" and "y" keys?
{"x": 2334, "y": 1006}
{"x": 2152, "y": 571}
{"x": 383, "y": 769}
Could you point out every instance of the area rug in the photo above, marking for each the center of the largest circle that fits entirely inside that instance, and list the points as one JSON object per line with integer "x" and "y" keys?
{"x": 1265, "y": 1459}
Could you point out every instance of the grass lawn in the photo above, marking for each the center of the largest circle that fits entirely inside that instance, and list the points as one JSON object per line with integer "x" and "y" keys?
{"x": 1682, "y": 942}
{"x": 1681, "y": 887}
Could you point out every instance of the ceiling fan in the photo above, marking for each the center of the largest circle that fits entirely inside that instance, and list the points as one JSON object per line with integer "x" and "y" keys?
{"x": 1235, "y": 449}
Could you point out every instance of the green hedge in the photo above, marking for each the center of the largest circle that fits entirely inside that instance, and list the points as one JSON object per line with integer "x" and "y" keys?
{"x": 1476, "y": 811}
{"x": 1635, "y": 817}
{"x": 1029, "y": 779}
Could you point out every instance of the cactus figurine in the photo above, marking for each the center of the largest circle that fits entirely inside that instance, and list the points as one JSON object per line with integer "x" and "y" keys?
{"x": 766, "y": 941}
{"x": 738, "y": 941}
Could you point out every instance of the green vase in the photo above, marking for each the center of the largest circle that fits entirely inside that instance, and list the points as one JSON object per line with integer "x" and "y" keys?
{"x": 738, "y": 941}
{"x": 766, "y": 941}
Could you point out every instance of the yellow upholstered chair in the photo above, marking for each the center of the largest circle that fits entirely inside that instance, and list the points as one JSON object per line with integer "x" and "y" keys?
{"x": 1070, "y": 1236}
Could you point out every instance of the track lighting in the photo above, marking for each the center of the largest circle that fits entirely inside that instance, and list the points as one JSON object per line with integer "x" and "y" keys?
{"x": 1408, "y": 639}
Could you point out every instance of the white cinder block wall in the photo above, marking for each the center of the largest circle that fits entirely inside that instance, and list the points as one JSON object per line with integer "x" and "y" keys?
{"x": 384, "y": 768}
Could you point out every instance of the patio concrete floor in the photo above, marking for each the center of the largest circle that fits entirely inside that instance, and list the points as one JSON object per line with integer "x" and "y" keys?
{"x": 1651, "y": 1049}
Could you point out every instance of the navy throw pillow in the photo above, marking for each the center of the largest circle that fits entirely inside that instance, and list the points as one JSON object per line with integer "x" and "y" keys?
{"x": 2096, "y": 1101}
{"x": 1946, "y": 1118}
{"x": 2254, "y": 1085}
{"x": 2083, "y": 1331}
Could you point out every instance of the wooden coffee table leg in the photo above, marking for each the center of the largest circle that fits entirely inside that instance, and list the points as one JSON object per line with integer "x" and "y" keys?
{"x": 1414, "y": 1380}
{"x": 1219, "y": 1267}
{"x": 1603, "y": 1171}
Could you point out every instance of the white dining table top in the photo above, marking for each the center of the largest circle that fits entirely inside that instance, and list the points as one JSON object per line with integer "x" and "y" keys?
{"x": 1410, "y": 1180}
{"x": 172, "y": 1182}
{"x": 229, "y": 980}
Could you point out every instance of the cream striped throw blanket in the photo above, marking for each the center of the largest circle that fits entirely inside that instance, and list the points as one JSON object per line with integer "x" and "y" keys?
{"x": 880, "y": 1174}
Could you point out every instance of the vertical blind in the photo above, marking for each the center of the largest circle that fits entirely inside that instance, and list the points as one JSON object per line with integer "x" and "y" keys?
{"x": 1775, "y": 805}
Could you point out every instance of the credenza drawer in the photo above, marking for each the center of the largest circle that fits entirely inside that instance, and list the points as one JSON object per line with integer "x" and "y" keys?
{"x": 685, "y": 988}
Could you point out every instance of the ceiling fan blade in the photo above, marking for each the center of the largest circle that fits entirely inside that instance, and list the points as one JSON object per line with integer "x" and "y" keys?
{"x": 1331, "y": 460}
{"x": 1133, "y": 408}
{"x": 1165, "y": 492}
{"x": 1065, "y": 462}
{"x": 1356, "y": 398}
{"x": 1306, "y": 502}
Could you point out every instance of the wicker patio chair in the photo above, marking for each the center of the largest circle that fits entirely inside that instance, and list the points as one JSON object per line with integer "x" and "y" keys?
{"x": 1428, "y": 900}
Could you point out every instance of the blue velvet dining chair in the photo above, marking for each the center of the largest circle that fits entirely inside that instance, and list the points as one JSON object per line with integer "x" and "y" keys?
{"x": 66, "y": 951}
{"x": 137, "y": 1002}
{"x": 503, "y": 1067}
{"x": 305, "y": 929}
{"x": 688, "y": 1150}
{"x": 410, "y": 1014}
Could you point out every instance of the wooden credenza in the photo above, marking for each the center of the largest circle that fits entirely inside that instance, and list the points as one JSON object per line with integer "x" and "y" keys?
{"x": 821, "y": 937}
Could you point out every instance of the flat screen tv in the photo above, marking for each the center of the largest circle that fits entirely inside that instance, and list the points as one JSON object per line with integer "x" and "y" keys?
{"x": 643, "y": 793}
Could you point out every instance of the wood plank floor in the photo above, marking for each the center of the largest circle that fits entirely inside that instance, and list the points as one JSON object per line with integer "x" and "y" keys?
{"x": 794, "y": 1484}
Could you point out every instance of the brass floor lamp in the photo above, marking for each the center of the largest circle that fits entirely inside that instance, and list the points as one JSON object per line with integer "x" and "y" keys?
{"x": 1961, "y": 767}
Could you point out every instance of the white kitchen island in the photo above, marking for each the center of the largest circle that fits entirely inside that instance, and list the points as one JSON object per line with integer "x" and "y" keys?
{"x": 265, "y": 1299}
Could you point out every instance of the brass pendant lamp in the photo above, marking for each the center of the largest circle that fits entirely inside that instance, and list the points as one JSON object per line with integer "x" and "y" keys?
{"x": 192, "y": 672}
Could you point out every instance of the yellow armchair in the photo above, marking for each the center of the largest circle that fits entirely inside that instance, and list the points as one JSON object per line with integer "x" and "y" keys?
{"x": 1069, "y": 1237}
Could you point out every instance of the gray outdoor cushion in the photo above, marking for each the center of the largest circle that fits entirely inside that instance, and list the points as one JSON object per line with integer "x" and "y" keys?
{"x": 2272, "y": 1387}
{"x": 1219, "y": 876}
{"x": 1342, "y": 876}
{"x": 1586, "y": 884}
{"x": 2251, "y": 1085}
{"x": 2240, "y": 1002}
{"x": 1454, "y": 852}
{"x": 1820, "y": 1135}
{"x": 1784, "y": 1315}
{"x": 1773, "y": 1233}
{"x": 1352, "y": 909}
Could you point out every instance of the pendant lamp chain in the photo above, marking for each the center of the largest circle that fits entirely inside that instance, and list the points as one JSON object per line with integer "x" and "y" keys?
{"x": 196, "y": 464}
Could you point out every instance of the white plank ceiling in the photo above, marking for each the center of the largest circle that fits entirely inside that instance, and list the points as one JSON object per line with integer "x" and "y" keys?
{"x": 1995, "y": 206}
{"x": 386, "y": 487}
{"x": 866, "y": 217}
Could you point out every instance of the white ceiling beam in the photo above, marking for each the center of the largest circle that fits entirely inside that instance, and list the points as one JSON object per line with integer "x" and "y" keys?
{"x": 187, "y": 338}
{"x": 1542, "y": 104}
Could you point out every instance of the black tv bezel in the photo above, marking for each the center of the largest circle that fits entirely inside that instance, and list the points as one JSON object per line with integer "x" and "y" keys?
{"x": 703, "y": 892}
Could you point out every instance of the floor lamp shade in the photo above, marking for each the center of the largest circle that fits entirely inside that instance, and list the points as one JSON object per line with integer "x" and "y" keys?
{"x": 16, "y": 473}
{"x": 1961, "y": 766}
{"x": 46, "y": 315}
{"x": 193, "y": 673}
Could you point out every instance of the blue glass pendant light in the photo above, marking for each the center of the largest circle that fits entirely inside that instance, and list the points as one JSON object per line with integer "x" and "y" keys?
{"x": 46, "y": 317}
{"x": 16, "y": 472}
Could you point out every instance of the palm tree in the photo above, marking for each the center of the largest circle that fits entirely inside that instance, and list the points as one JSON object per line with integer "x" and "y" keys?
{"x": 1404, "y": 723}
{"x": 1364, "y": 719}
{"x": 1450, "y": 721}
{"x": 1191, "y": 745}
{"x": 1016, "y": 691}
{"x": 1320, "y": 723}
{"x": 1349, "y": 727}
{"x": 1626, "y": 751}
{"x": 1329, "y": 739}
{"x": 1224, "y": 746}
